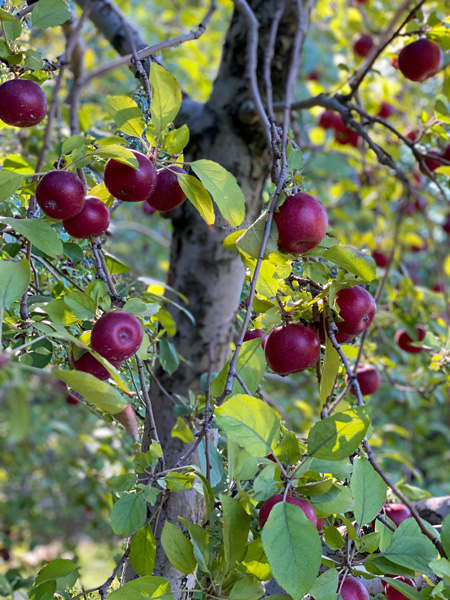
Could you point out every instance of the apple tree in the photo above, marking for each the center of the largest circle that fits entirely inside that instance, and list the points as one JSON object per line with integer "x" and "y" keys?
{"x": 225, "y": 250}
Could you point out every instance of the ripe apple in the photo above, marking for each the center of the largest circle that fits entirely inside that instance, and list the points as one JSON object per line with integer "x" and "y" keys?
{"x": 128, "y": 184}
{"x": 149, "y": 210}
{"x": 381, "y": 260}
{"x": 403, "y": 340}
{"x": 341, "y": 338}
{"x": 320, "y": 523}
{"x": 167, "y": 193}
{"x": 368, "y": 378}
{"x": 392, "y": 594}
{"x": 343, "y": 134}
{"x": 92, "y": 221}
{"x": 60, "y": 194}
{"x": 328, "y": 119}
{"x": 117, "y": 335}
{"x": 396, "y": 512}
{"x": 73, "y": 398}
{"x": 439, "y": 287}
{"x": 353, "y": 589}
{"x": 446, "y": 225}
{"x": 314, "y": 76}
{"x": 267, "y": 506}
{"x": 292, "y": 348}
{"x": 386, "y": 110}
{"x": 420, "y": 60}
{"x": 357, "y": 308}
{"x": 89, "y": 364}
{"x": 252, "y": 334}
{"x": 22, "y": 103}
{"x": 413, "y": 135}
{"x": 302, "y": 223}
{"x": 432, "y": 162}
{"x": 363, "y": 45}
{"x": 362, "y": 1}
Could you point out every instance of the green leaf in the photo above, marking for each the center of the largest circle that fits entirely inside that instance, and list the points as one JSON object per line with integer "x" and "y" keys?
{"x": 329, "y": 372}
{"x": 178, "y": 548}
{"x": 182, "y": 431}
{"x": 14, "y": 279}
{"x": 56, "y": 569}
{"x": 115, "y": 266}
{"x": 241, "y": 466}
{"x": 73, "y": 143}
{"x": 249, "y": 243}
{"x": 144, "y": 587}
{"x": 208, "y": 496}
{"x": 97, "y": 392}
{"x": 45, "y": 591}
{"x": 333, "y": 538}
{"x": 179, "y": 482}
{"x": 166, "y": 97}
{"x": 139, "y": 308}
{"x": 445, "y": 534}
{"x": 39, "y": 233}
{"x": 406, "y": 590}
{"x": 352, "y": 260}
{"x": 250, "y": 422}
{"x": 410, "y": 548}
{"x": 292, "y": 545}
{"x": 224, "y": 189}
{"x": 369, "y": 491}
{"x": 119, "y": 153}
{"x": 59, "y": 313}
{"x": 247, "y": 588}
{"x": 255, "y": 561}
{"x": 6, "y": 16}
{"x": 175, "y": 141}
{"x": 200, "y": 543}
{"x": 338, "y": 436}
{"x": 325, "y": 586}
{"x": 33, "y": 60}
{"x": 168, "y": 356}
{"x": 50, "y": 13}
{"x": 143, "y": 551}
{"x": 198, "y": 195}
{"x": 264, "y": 485}
{"x": 290, "y": 449}
{"x": 81, "y": 305}
{"x": 122, "y": 483}
{"x": 338, "y": 499}
{"x": 251, "y": 366}
{"x": 126, "y": 114}
{"x": 128, "y": 514}
{"x": 9, "y": 183}
{"x": 236, "y": 525}
{"x": 73, "y": 252}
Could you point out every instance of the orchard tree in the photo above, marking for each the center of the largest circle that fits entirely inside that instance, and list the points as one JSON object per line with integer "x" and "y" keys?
{"x": 250, "y": 399}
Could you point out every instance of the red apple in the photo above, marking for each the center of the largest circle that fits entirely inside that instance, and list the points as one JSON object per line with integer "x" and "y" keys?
{"x": 363, "y": 45}
{"x": 320, "y": 523}
{"x": 128, "y": 184}
{"x": 362, "y": 1}
{"x": 432, "y": 162}
{"x": 314, "y": 76}
{"x": 302, "y": 223}
{"x": 89, "y": 364}
{"x": 439, "y": 288}
{"x": 149, "y": 210}
{"x": 420, "y": 60}
{"x": 392, "y": 594}
{"x": 328, "y": 119}
{"x": 22, "y": 103}
{"x": 396, "y": 512}
{"x": 117, "y": 335}
{"x": 252, "y": 334}
{"x": 353, "y": 589}
{"x": 60, "y": 194}
{"x": 292, "y": 348}
{"x": 446, "y": 225}
{"x": 413, "y": 135}
{"x": 267, "y": 506}
{"x": 381, "y": 260}
{"x": 341, "y": 338}
{"x": 368, "y": 378}
{"x": 92, "y": 221}
{"x": 386, "y": 110}
{"x": 403, "y": 340}
{"x": 357, "y": 308}
{"x": 167, "y": 193}
{"x": 343, "y": 134}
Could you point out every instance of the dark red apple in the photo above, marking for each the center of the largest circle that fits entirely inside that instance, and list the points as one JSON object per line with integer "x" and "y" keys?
{"x": 357, "y": 308}
{"x": 362, "y": 1}
{"x": 117, "y": 335}
{"x": 381, "y": 260}
{"x": 386, "y": 110}
{"x": 432, "y": 162}
{"x": 328, "y": 119}
{"x": 446, "y": 225}
{"x": 420, "y": 60}
{"x": 368, "y": 378}
{"x": 314, "y": 76}
{"x": 60, "y": 194}
{"x": 92, "y": 221}
{"x": 267, "y": 506}
{"x": 403, "y": 340}
{"x": 22, "y": 103}
{"x": 320, "y": 523}
{"x": 149, "y": 210}
{"x": 353, "y": 589}
{"x": 252, "y": 334}
{"x": 89, "y": 364}
{"x": 302, "y": 223}
{"x": 439, "y": 288}
{"x": 167, "y": 193}
{"x": 343, "y": 134}
{"x": 363, "y": 45}
{"x": 413, "y": 135}
{"x": 128, "y": 184}
{"x": 292, "y": 348}
{"x": 392, "y": 594}
{"x": 396, "y": 512}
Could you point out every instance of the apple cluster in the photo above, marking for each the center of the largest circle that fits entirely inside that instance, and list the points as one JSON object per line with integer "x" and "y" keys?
{"x": 342, "y": 134}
